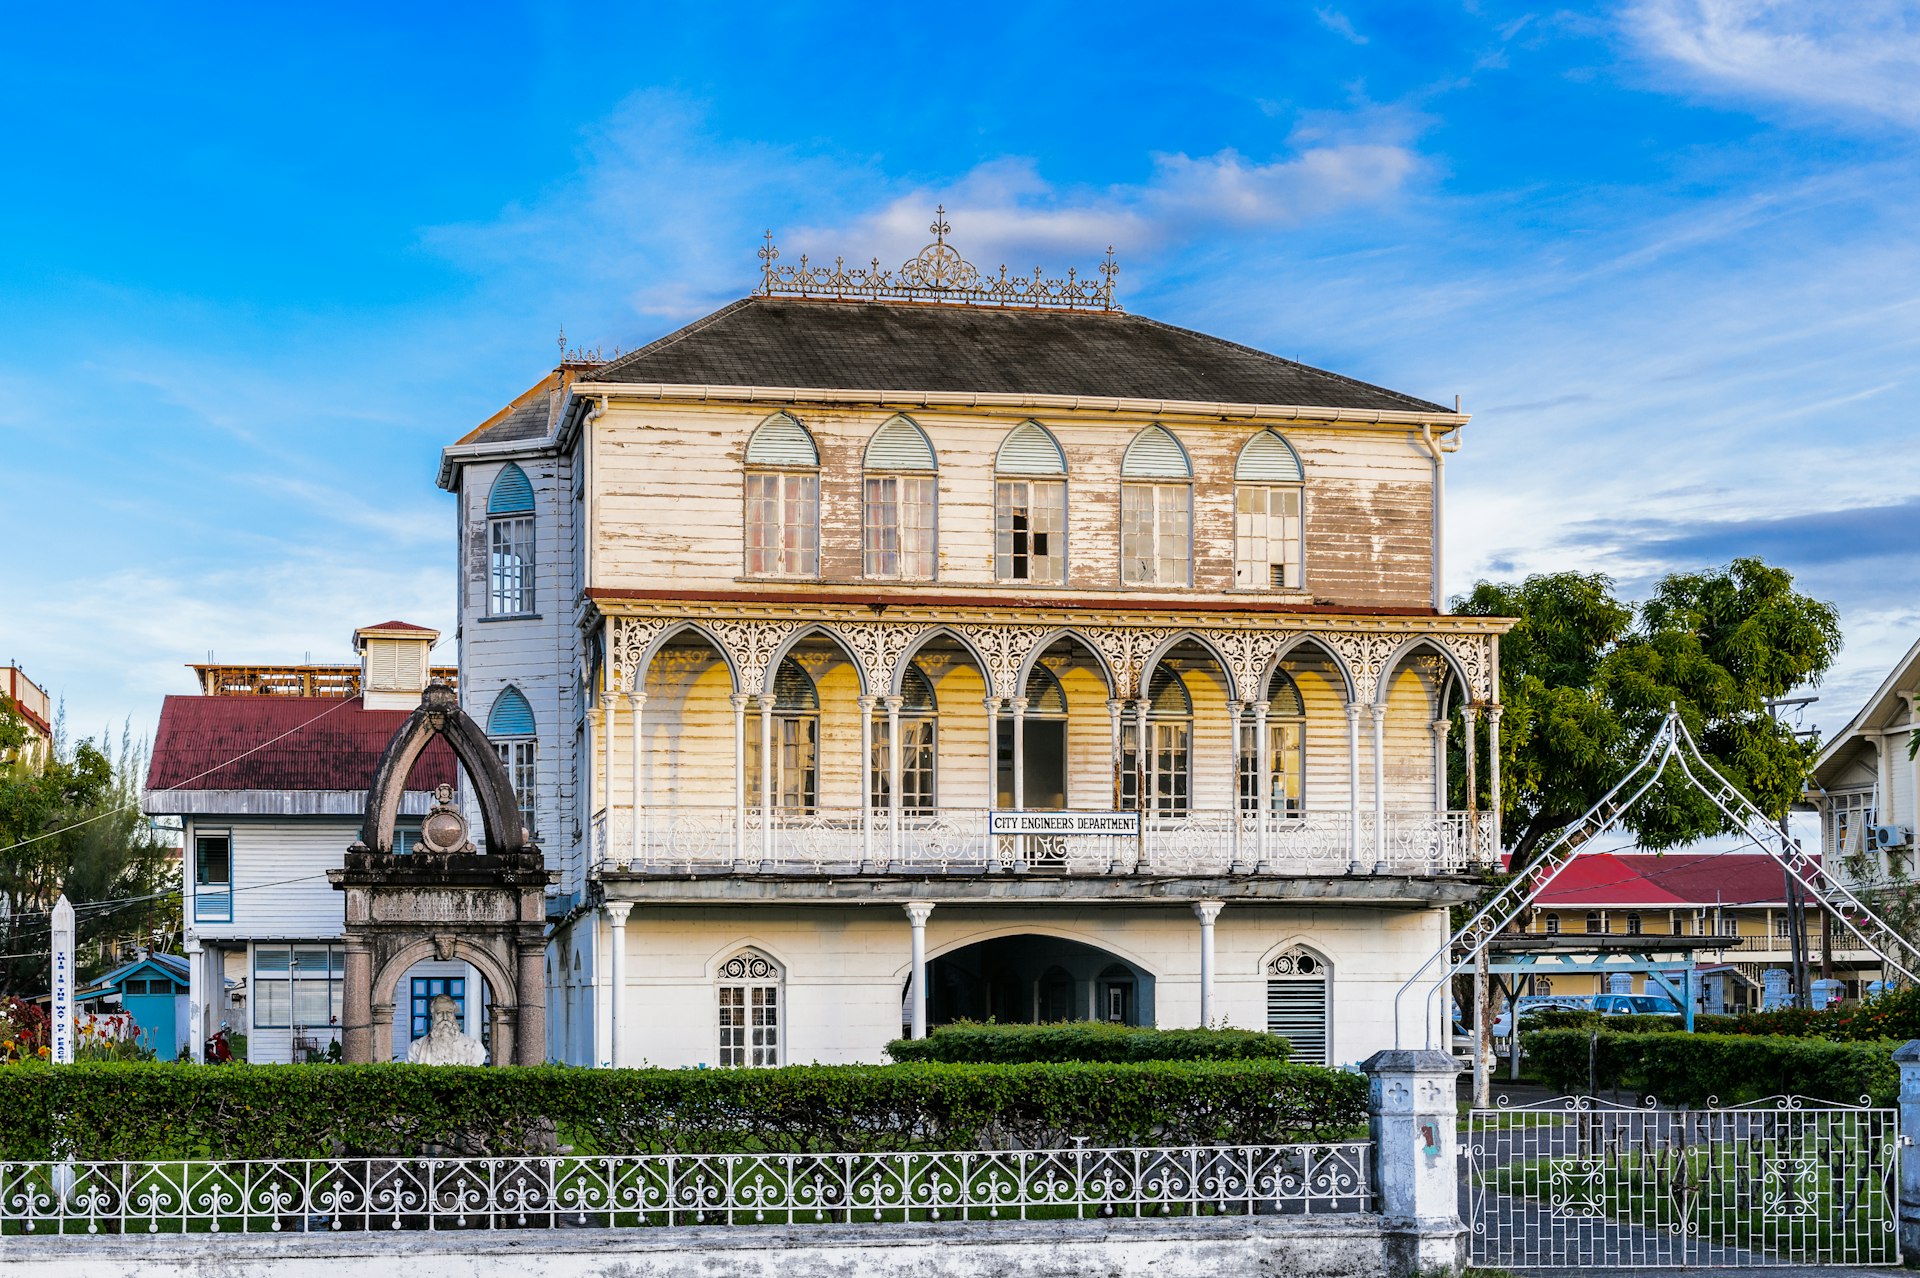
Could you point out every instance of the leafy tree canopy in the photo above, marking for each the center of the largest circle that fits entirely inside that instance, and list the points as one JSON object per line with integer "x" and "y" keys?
{"x": 1586, "y": 678}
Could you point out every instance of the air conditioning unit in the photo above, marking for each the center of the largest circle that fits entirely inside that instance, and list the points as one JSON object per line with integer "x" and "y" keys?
{"x": 1883, "y": 837}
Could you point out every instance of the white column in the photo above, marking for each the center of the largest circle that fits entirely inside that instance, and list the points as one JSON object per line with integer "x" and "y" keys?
{"x": 1206, "y": 912}
{"x": 1439, "y": 727}
{"x": 1469, "y": 715}
{"x": 993, "y": 752}
{"x": 608, "y": 720}
{"x": 1114, "y": 707}
{"x": 739, "y": 704}
{"x": 1493, "y": 774}
{"x": 1263, "y": 777}
{"x": 1353, "y": 786}
{"x": 1019, "y": 705}
{"x": 917, "y": 912}
{"x": 766, "y": 776}
{"x": 866, "y": 780}
{"x": 617, "y": 912}
{"x": 1236, "y": 739}
{"x": 1142, "y": 757}
{"x": 1379, "y": 786}
{"x": 893, "y": 778}
{"x": 636, "y": 705}
{"x": 196, "y": 1000}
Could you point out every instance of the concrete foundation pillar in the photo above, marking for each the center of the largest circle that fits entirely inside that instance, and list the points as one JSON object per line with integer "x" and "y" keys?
{"x": 530, "y": 1022}
{"x": 1416, "y": 1154}
{"x": 356, "y": 1007}
{"x": 1206, "y": 912}
{"x": 380, "y": 1027}
{"x": 196, "y": 1002}
{"x": 1907, "y": 1058}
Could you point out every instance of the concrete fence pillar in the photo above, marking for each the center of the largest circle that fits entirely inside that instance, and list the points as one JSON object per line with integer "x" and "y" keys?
{"x": 1908, "y": 1059}
{"x": 1416, "y": 1157}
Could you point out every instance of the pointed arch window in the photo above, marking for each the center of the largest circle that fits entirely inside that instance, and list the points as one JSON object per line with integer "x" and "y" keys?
{"x": 796, "y": 741}
{"x": 1269, "y": 492}
{"x": 510, "y": 543}
{"x": 1030, "y": 508}
{"x": 1285, "y": 751}
{"x": 901, "y": 502}
{"x": 511, "y": 728}
{"x": 749, "y": 1011}
{"x": 783, "y": 500}
{"x": 1300, "y": 1003}
{"x": 919, "y": 738}
{"x": 1163, "y": 770}
{"x": 1156, "y": 511}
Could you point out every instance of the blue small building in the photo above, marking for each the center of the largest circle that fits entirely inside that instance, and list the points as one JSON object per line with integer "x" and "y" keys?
{"x": 153, "y": 990}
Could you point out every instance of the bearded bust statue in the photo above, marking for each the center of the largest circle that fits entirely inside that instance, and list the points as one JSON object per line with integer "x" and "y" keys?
{"x": 444, "y": 1044}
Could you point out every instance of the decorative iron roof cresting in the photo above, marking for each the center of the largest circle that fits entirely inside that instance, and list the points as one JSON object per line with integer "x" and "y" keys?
{"x": 936, "y": 274}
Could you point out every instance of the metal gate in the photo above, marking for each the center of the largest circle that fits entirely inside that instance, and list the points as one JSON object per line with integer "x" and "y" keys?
{"x": 1583, "y": 1183}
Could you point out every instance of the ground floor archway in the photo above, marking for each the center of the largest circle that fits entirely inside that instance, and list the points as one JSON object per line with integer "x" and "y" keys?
{"x": 1031, "y": 978}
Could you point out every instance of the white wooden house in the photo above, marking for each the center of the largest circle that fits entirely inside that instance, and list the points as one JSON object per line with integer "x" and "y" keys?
{"x": 1866, "y": 786}
{"x": 267, "y": 769}
{"x": 874, "y": 652}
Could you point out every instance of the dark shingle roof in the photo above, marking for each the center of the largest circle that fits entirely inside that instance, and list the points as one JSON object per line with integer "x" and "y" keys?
{"x": 281, "y": 743}
{"x": 528, "y": 421}
{"x": 761, "y": 341}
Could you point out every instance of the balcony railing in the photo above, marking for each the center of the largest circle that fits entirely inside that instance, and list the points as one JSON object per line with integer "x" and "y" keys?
{"x": 722, "y": 840}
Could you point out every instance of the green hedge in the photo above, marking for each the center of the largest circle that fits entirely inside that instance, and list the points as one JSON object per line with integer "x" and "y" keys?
{"x": 112, "y": 1111}
{"x": 1893, "y": 1015}
{"x": 989, "y": 1042}
{"x": 1552, "y": 1018}
{"x": 1689, "y": 1069}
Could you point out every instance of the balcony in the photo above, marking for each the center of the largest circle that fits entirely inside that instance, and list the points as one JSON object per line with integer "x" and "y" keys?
{"x": 721, "y": 840}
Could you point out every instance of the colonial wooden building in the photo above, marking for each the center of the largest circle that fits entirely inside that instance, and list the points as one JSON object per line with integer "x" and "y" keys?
{"x": 1865, "y": 788}
{"x": 891, "y": 647}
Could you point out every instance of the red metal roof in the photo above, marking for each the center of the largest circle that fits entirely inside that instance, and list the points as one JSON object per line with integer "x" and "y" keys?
{"x": 288, "y": 743}
{"x": 400, "y": 625}
{"x": 1672, "y": 880}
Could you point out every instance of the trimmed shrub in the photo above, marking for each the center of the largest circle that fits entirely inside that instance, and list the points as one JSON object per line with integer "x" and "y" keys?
{"x": 989, "y": 1042}
{"x": 1893, "y": 1015}
{"x": 1574, "y": 1018}
{"x": 121, "y": 1111}
{"x": 1690, "y": 1069}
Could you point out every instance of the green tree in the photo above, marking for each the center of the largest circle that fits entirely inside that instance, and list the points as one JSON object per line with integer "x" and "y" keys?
{"x": 1585, "y": 680}
{"x": 73, "y": 825}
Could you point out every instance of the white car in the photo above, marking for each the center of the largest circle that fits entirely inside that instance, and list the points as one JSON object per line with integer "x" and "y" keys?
{"x": 1526, "y": 1003}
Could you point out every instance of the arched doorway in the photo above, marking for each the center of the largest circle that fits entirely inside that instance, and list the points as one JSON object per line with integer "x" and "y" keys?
{"x": 1034, "y": 979}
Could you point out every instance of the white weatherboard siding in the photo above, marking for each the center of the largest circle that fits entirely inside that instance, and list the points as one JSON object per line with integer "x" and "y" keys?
{"x": 280, "y": 883}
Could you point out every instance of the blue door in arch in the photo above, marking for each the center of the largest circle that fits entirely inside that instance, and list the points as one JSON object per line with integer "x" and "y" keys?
{"x": 425, "y": 988}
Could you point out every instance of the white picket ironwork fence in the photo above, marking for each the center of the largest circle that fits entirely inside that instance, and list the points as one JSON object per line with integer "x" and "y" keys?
{"x": 694, "y": 839}
{"x": 1579, "y": 1183}
{"x": 308, "y": 1195}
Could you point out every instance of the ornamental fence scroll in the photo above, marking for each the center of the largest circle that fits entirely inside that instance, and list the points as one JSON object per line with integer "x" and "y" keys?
{"x": 937, "y": 273}
{"x": 1579, "y": 1182}
{"x": 662, "y": 1190}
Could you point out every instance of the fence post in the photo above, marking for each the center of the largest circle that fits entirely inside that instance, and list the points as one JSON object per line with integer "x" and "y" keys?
{"x": 1416, "y": 1159}
{"x": 1908, "y": 1059}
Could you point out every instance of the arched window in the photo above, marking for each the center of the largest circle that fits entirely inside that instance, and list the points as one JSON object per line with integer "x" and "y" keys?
{"x": 796, "y": 738}
{"x": 1633, "y": 923}
{"x": 510, "y": 544}
{"x": 1163, "y": 771}
{"x": 1299, "y": 1003}
{"x": 1285, "y": 746}
{"x": 1030, "y": 507}
{"x": 1553, "y": 925}
{"x": 783, "y": 500}
{"x": 1268, "y": 492}
{"x": 1156, "y": 511}
{"x": 901, "y": 501}
{"x": 1594, "y": 924}
{"x": 749, "y": 996}
{"x": 918, "y": 738}
{"x": 1043, "y": 728}
{"x": 515, "y": 739}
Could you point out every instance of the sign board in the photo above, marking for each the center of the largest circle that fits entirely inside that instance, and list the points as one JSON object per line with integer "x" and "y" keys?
{"x": 1070, "y": 823}
{"x": 62, "y": 1009}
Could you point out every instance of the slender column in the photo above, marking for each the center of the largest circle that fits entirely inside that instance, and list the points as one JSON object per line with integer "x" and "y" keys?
{"x": 636, "y": 705}
{"x": 866, "y": 781}
{"x": 1236, "y": 736}
{"x": 1439, "y": 728}
{"x": 356, "y": 1007}
{"x": 197, "y": 1002}
{"x": 1262, "y": 778}
{"x": 893, "y": 778}
{"x": 617, "y": 912}
{"x": 1114, "y": 707}
{"x": 1469, "y": 714}
{"x": 1353, "y": 787}
{"x": 917, "y": 912}
{"x": 1206, "y": 912}
{"x": 1142, "y": 757}
{"x": 1493, "y": 775}
{"x": 609, "y": 719}
{"x": 1019, "y": 706}
{"x": 739, "y": 704}
{"x": 505, "y": 1020}
{"x": 1379, "y": 787}
{"x": 530, "y": 1014}
{"x": 766, "y": 776}
{"x": 993, "y": 752}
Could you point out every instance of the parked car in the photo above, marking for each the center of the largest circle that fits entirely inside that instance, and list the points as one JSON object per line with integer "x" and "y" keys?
{"x": 1636, "y": 1005}
{"x": 1503, "y": 1023}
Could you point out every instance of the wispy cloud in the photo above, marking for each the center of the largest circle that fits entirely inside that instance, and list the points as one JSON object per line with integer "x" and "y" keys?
{"x": 1338, "y": 23}
{"x": 1858, "y": 57}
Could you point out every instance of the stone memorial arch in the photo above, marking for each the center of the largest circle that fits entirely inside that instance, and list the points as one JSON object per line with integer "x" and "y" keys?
{"x": 443, "y": 899}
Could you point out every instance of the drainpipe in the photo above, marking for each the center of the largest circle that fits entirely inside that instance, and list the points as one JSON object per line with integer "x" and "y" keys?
{"x": 1437, "y": 448}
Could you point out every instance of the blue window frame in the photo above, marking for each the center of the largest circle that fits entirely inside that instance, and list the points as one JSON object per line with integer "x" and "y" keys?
{"x": 213, "y": 877}
{"x": 426, "y": 989}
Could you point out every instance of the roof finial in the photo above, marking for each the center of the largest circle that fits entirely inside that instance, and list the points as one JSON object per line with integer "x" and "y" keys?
{"x": 940, "y": 227}
{"x": 562, "y": 343}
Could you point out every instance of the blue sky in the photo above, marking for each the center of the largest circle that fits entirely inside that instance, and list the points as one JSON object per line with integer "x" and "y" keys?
{"x": 260, "y": 267}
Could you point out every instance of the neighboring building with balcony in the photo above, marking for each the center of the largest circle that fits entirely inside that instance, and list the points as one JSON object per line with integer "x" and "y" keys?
{"x": 1072, "y": 663}
{"x": 1865, "y": 788}
{"x": 34, "y": 709}
{"x": 267, "y": 770}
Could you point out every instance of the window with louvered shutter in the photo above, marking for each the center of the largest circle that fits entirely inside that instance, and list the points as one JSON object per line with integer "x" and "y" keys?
{"x": 387, "y": 664}
{"x": 1268, "y": 505}
{"x": 1299, "y": 985}
{"x": 1029, "y": 449}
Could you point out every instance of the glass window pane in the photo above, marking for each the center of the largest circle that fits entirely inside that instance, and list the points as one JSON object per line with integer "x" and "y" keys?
{"x": 271, "y": 1004}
